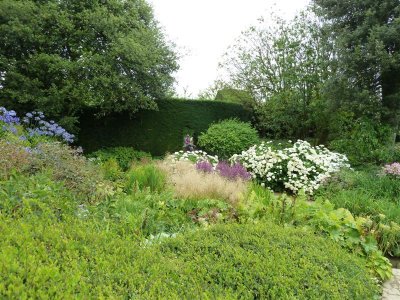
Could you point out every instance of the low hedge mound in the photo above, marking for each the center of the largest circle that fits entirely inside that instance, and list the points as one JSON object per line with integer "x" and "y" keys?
{"x": 77, "y": 258}
{"x": 259, "y": 262}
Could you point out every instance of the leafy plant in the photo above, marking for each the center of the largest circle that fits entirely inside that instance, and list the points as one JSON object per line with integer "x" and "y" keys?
{"x": 145, "y": 176}
{"x": 125, "y": 156}
{"x": 358, "y": 235}
{"x": 228, "y": 137}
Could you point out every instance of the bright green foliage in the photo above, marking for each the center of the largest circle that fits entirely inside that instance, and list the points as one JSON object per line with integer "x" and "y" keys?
{"x": 61, "y": 56}
{"x": 80, "y": 256}
{"x": 227, "y": 138}
{"x": 368, "y": 193}
{"x": 358, "y": 235}
{"x": 124, "y": 156}
{"x": 255, "y": 261}
{"x": 111, "y": 169}
{"x": 365, "y": 142}
{"x": 159, "y": 131}
{"x": 145, "y": 176}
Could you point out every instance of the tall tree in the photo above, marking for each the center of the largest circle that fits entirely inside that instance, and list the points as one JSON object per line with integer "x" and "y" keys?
{"x": 283, "y": 66}
{"x": 61, "y": 56}
{"x": 368, "y": 45}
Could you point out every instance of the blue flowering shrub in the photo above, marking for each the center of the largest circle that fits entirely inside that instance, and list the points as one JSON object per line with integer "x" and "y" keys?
{"x": 33, "y": 145}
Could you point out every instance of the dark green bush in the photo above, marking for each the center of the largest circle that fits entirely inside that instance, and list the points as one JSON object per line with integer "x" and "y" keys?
{"x": 159, "y": 131}
{"x": 228, "y": 137}
{"x": 123, "y": 155}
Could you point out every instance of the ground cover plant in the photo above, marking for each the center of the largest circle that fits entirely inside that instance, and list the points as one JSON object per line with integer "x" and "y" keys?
{"x": 370, "y": 193}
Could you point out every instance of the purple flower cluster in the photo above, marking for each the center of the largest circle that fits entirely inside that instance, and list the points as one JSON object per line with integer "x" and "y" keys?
{"x": 233, "y": 172}
{"x": 392, "y": 169}
{"x": 8, "y": 116}
{"x": 204, "y": 166}
{"x": 37, "y": 125}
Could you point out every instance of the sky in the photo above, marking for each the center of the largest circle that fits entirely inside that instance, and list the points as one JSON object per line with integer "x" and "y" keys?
{"x": 203, "y": 30}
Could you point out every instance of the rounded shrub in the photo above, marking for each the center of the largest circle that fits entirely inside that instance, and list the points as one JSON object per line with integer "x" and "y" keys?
{"x": 228, "y": 137}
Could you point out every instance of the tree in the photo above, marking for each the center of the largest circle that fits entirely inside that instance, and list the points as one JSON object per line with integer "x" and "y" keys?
{"x": 62, "y": 56}
{"x": 367, "y": 45}
{"x": 284, "y": 67}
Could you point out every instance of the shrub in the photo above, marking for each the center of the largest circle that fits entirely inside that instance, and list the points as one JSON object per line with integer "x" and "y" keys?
{"x": 111, "y": 169}
{"x": 68, "y": 166}
{"x": 145, "y": 176}
{"x": 260, "y": 261}
{"x": 228, "y": 137}
{"x": 77, "y": 257}
{"x": 365, "y": 142}
{"x": 194, "y": 157}
{"x": 358, "y": 235}
{"x": 189, "y": 183}
{"x": 123, "y": 155}
{"x": 300, "y": 167}
{"x": 23, "y": 196}
{"x": 13, "y": 157}
{"x": 175, "y": 118}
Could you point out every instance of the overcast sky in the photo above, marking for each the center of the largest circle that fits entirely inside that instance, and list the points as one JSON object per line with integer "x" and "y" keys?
{"x": 203, "y": 30}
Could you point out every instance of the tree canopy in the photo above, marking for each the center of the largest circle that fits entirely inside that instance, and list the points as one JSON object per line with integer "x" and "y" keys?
{"x": 62, "y": 56}
{"x": 367, "y": 44}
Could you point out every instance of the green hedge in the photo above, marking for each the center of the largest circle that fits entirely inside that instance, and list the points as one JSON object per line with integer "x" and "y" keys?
{"x": 159, "y": 131}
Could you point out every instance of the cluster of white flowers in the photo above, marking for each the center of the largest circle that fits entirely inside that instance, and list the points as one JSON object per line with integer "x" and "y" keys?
{"x": 300, "y": 167}
{"x": 194, "y": 156}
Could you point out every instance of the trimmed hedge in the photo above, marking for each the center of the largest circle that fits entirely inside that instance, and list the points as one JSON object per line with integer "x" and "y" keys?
{"x": 159, "y": 131}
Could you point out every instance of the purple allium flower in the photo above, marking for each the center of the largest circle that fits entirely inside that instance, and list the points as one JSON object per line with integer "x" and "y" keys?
{"x": 204, "y": 166}
{"x": 233, "y": 171}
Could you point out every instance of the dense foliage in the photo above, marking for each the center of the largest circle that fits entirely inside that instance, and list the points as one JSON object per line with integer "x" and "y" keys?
{"x": 61, "y": 56}
{"x": 174, "y": 120}
{"x": 330, "y": 75}
{"x": 367, "y": 35}
{"x": 369, "y": 194}
{"x": 227, "y": 138}
{"x": 300, "y": 167}
{"x": 125, "y": 156}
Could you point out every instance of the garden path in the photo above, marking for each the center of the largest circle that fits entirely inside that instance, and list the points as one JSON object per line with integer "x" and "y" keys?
{"x": 391, "y": 289}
